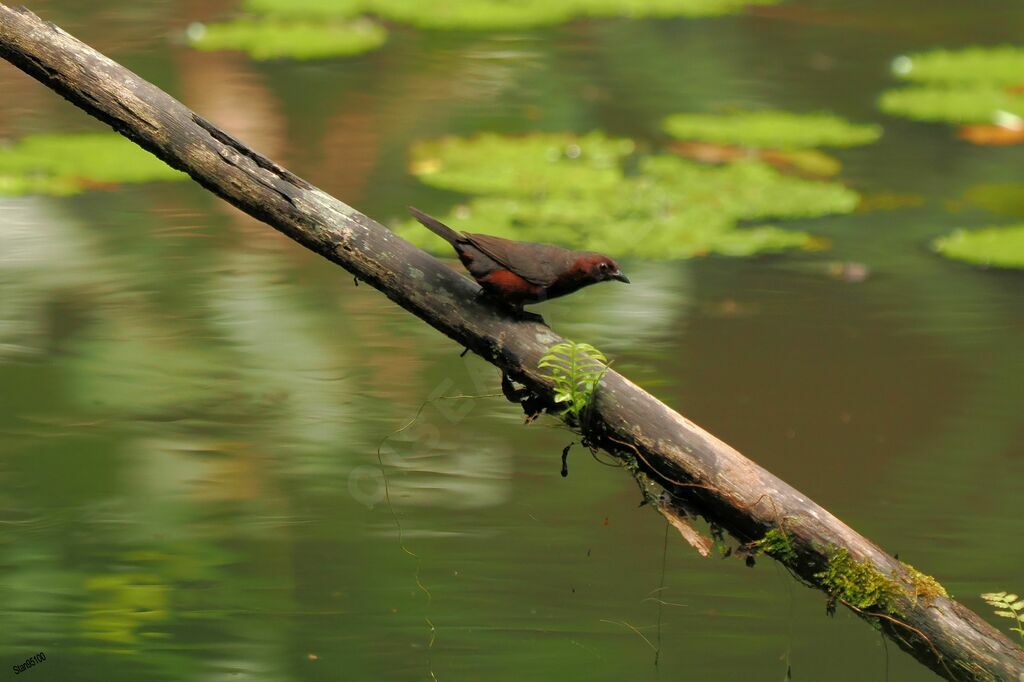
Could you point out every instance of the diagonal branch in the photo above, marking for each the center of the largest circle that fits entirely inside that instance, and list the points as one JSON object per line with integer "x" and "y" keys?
{"x": 702, "y": 474}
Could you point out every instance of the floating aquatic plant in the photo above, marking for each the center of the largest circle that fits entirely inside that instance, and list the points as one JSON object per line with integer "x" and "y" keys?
{"x": 272, "y": 38}
{"x": 526, "y": 165}
{"x": 307, "y": 9}
{"x": 1000, "y": 247}
{"x": 950, "y": 104}
{"x": 1003, "y": 65}
{"x": 494, "y": 14}
{"x": 69, "y": 163}
{"x": 971, "y": 85}
{"x": 474, "y": 14}
{"x": 771, "y": 129}
{"x": 575, "y": 190}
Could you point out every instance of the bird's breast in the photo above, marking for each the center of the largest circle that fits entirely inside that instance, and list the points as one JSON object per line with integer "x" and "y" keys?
{"x": 509, "y": 286}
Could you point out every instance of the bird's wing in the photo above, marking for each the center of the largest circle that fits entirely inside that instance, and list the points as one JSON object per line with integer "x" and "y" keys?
{"x": 539, "y": 264}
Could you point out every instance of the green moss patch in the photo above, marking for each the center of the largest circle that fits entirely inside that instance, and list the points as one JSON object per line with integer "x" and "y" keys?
{"x": 776, "y": 543}
{"x": 595, "y": 192}
{"x": 1000, "y": 247}
{"x": 70, "y": 163}
{"x": 922, "y": 586}
{"x": 771, "y": 129}
{"x": 860, "y": 584}
{"x": 274, "y": 39}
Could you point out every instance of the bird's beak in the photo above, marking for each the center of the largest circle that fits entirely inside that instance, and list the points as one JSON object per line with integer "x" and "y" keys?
{"x": 621, "y": 277}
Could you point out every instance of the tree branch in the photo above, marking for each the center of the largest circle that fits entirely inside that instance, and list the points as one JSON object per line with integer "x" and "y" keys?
{"x": 701, "y": 473}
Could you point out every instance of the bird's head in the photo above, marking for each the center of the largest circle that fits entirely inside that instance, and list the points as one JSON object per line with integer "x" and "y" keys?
{"x": 601, "y": 268}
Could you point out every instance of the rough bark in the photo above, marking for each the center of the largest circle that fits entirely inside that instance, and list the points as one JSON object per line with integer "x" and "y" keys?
{"x": 702, "y": 474}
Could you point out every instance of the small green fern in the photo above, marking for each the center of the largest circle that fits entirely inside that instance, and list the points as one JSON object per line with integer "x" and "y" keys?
{"x": 576, "y": 369}
{"x": 1008, "y": 606}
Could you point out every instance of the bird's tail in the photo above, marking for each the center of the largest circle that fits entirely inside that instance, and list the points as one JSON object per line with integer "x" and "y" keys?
{"x": 436, "y": 226}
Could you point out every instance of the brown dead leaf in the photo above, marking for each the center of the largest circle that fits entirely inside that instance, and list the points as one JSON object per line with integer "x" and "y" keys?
{"x": 992, "y": 135}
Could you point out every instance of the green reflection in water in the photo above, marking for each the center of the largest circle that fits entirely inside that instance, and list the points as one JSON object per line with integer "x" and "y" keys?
{"x": 67, "y": 164}
{"x": 890, "y": 400}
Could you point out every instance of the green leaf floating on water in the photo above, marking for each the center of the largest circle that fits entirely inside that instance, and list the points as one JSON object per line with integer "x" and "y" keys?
{"x": 971, "y": 85}
{"x": 473, "y": 14}
{"x": 272, "y": 38}
{"x": 771, "y": 129}
{"x": 307, "y": 9}
{"x": 1002, "y": 65}
{"x": 965, "y": 104}
{"x": 494, "y": 14}
{"x": 489, "y": 163}
{"x": 575, "y": 190}
{"x": 1000, "y": 247}
{"x": 69, "y": 163}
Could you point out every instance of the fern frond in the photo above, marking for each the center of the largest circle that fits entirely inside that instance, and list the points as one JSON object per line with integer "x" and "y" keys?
{"x": 1007, "y": 605}
{"x": 576, "y": 370}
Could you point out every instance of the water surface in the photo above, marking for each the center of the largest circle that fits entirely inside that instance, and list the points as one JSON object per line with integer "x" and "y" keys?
{"x": 191, "y": 405}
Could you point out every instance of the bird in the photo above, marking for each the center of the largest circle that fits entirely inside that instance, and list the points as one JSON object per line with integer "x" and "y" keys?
{"x": 517, "y": 273}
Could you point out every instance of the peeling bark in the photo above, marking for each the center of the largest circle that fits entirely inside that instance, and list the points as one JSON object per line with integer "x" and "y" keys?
{"x": 703, "y": 474}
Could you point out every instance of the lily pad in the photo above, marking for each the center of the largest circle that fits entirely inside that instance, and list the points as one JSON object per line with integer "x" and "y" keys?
{"x": 1000, "y": 247}
{"x": 1002, "y": 65}
{"x": 273, "y": 38}
{"x": 771, "y": 129}
{"x": 474, "y": 14}
{"x": 495, "y": 14}
{"x": 974, "y": 85}
{"x": 576, "y": 191}
{"x": 489, "y": 163}
{"x": 967, "y": 104}
{"x": 307, "y": 9}
{"x": 63, "y": 164}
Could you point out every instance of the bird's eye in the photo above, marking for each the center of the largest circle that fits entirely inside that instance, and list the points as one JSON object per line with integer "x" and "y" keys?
{"x": 604, "y": 267}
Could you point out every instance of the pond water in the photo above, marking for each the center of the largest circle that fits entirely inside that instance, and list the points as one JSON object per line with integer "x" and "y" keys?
{"x": 191, "y": 406}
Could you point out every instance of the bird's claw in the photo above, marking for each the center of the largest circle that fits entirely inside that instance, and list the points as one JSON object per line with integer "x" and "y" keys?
{"x": 530, "y": 317}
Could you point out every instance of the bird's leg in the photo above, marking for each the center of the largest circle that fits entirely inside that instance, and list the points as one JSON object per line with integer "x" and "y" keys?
{"x": 515, "y": 308}
{"x": 528, "y": 316}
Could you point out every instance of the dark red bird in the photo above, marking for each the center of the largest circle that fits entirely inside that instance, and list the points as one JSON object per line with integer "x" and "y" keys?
{"x": 517, "y": 273}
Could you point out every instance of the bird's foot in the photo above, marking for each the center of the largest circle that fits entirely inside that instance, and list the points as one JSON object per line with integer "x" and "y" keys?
{"x": 516, "y": 309}
{"x": 527, "y": 316}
